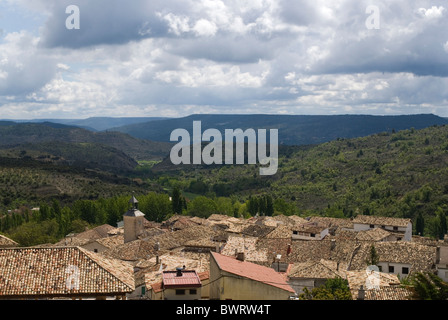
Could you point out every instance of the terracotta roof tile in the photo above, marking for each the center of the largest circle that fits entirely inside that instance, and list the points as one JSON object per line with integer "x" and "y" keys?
{"x": 186, "y": 279}
{"x": 45, "y": 272}
{"x": 251, "y": 271}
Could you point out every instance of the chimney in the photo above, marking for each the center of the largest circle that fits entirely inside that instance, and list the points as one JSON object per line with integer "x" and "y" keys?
{"x": 179, "y": 272}
{"x": 361, "y": 293}
{"x": 240, "y": 256}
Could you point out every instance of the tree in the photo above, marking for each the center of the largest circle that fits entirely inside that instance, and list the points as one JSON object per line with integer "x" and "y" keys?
{"x": 442, "y": 219}
{"x": 373, "y": 258}
{"x": 155, "y": 206}
{"x": 176, "y": 201}
{"x": 437, "y": 225}
{"x": 428, "y": 286}
{"x": 333, "y": 289}
{"x": 252, "y": 206}
{"x": 85, "y": 210}
{"x": 269, "y": 206}
{"x": 202, "y": 207}
{"x": 420, "y": 224}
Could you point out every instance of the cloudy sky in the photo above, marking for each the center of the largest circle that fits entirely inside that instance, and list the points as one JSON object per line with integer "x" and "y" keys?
{"x": 179, "y": 57}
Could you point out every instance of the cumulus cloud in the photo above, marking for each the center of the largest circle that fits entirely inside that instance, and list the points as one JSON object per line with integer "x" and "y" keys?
{"x": 170, "y": 57}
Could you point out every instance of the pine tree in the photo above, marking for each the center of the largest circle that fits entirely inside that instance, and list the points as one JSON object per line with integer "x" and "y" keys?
{"x": 176, "y": 201}
{"x": 420, "y": 224}
{"x": 373, "y": 258}
{"x": 269, "y": 206}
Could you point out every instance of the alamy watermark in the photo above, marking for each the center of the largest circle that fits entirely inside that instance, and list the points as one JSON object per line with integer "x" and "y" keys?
{"x": 234, "y": 153}
{"x": 72, "y": 280}
{"x": 373, "y": 20}
{"x": 73, "y": 21}
{"x": 373, "y": 277}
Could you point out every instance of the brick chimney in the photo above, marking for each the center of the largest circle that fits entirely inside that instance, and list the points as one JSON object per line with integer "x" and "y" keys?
{"x": 361, "y": 293}
{"x": 240, "y": 256}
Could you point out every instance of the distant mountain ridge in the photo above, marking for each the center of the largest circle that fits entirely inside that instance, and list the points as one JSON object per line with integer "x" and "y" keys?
{"x": 93, "y": 123}
{"x": 105, "y": 150}
{"x": 293, "y": 129}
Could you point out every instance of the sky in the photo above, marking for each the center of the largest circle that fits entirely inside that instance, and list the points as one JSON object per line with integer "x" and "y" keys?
{"x": 174, "y": 58}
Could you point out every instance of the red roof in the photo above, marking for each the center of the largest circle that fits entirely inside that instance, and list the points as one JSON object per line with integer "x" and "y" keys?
{"x": 251, "y": 271}
{"x": 188, "y": 279}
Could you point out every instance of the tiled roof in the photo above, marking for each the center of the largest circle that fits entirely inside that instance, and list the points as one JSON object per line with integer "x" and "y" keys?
{"x": 181, "y": 279}
{"x": 309, "y": 227}
{"x": 375, "y": 234}
{"x": 280, "y": 232}
{"x": 389, "y": 287}
{"x": 5, "y": 242}
{"x": 246, "y": 244}
{"x": 152, "y": 274}
{"x": 132, "y": 251}
{"x": 34, "y": 272}
{"x": 111, "y": 241}
{"x": 357, "y": 278}
{"x": 175, "y": 239}
{"x": 420, "y": 257}
{"x": 251, "y": 271}
{"x": 256, "y": 230}
{"x": 386, "y": 221}
{"x": 323, "y": 269}
{"x": 333, "y": 222}
{"x": 87, "y": 236}
{"x": 388, "y": 293}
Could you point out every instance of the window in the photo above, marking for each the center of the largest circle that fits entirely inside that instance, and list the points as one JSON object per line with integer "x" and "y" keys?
{"x": 143, "y": 290}
{"x": 371, "y": 226}
{"x": 180, "y": 292}
{"x": 391, "y": 269}
{"x": 95, "y": 250}
{"x": 395, "y": 228}
{"x": 294, "y": 232}
{"x": 313, "y": 235}
{"x": 405, "y": 270}
{"x": 193, "y": 291}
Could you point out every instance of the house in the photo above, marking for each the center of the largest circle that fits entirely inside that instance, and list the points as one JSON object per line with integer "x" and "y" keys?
{"x": 401, "y": 227}
{"x": 401, "y": 258}
{"x": 312, "y": 274}
{"x": 235, "y": 279}
{"x": 62, "y": 273}
{"x": 181, "y": 285}
{"x": 309, "y": 231}
{"x": 387, "y": 286}
{"x": 148, "y": 279}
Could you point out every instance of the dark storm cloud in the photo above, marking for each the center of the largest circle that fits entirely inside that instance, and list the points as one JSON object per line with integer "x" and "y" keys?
{"x": 105, "y": 22}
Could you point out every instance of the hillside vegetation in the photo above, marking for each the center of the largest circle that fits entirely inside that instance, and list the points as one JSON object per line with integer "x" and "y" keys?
{"x": 401, "y": 174}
